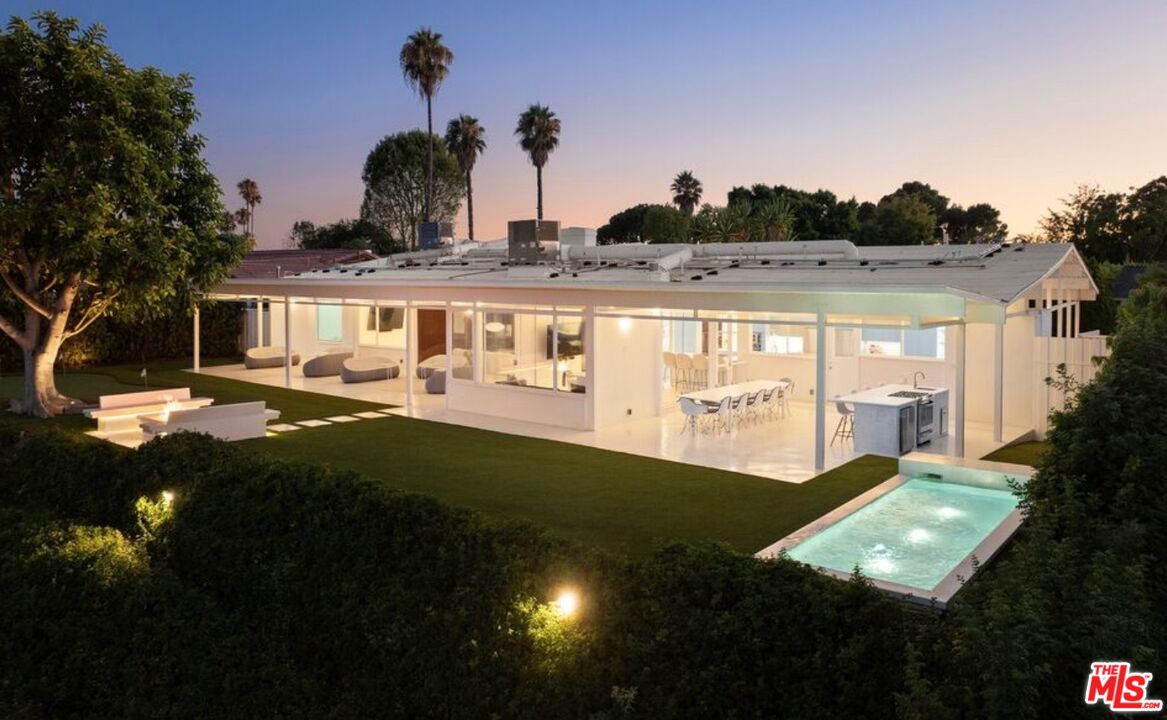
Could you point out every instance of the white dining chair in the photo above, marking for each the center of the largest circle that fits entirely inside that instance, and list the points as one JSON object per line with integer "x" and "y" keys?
{"x": 724, "y": 413}
{"x": 787, "y": 393}
{"x": 753, "y": 405}
{"x": 739, "y": 409}
{"x": 694, "y": 412}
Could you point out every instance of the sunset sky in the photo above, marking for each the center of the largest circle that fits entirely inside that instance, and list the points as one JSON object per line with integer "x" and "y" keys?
{"x": 1011, "y": 103}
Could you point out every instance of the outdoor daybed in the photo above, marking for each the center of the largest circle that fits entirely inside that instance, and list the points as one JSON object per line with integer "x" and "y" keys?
{"x": 367, "y": 369}
{"x": 267, "y": 357}
{"x": 326, "y": 365}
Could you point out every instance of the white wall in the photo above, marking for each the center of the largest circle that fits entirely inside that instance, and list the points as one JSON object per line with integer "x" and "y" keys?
{"x": 628, "y": 370}
{"x": 1018, "y": 380}
{"x": 303, "y": 322}
{"x": 799, "y": 368}
{"x": 537, "y": 405}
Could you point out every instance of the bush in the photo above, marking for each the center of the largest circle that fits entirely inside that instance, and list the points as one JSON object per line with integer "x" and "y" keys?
{"x": 268, "y": 589}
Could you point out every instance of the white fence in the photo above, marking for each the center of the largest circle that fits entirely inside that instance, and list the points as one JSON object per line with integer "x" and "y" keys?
{"x": 1078, "y": 354}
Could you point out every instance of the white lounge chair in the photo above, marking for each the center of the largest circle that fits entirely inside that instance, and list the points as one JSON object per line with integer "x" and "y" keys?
{"x": 238, "y": 421}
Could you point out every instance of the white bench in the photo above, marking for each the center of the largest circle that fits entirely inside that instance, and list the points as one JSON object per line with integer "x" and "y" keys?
{"x": 121, "y": 413}
{"x": 239, "y": 421}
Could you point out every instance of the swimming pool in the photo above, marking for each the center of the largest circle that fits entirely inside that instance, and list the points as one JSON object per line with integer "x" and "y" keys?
{"x": 917, "y": 534}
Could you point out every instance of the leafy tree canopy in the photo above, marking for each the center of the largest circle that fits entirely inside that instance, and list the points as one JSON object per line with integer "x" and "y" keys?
{"x": 395, "y": 183}
{"x": 106, "y": 204}
{"x": 899, "y": 220}
{"x": 352, "y": 234}
{"x": 817, "y": 215}
{"x": 645, "y": 223}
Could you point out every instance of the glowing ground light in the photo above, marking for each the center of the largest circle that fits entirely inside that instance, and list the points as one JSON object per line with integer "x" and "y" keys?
{"x": 948, "y": 513}
{"x": 567, "y": 603}
{"x": 918, "y": 535}
{"x": 167, "y": 497}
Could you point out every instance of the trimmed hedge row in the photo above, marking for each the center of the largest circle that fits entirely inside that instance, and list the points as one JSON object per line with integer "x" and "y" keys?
{"x": 269, "y": 589}
{"x": 122, "y": 340}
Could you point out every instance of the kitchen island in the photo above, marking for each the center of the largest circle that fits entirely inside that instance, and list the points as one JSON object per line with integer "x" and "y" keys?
{"x": 895, "y": 419}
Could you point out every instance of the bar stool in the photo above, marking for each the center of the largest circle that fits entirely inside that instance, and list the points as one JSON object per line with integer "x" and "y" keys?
{"x": 845, "y": 430}
{"x": 670, "y": 360}
{"x": 684, "y": 368}
{"x": 701, "y": 371}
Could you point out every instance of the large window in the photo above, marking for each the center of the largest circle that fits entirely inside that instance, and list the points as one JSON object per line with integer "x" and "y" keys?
{"x": 781, "y": 339}
{"x": 462, "y": 337}
{"x": 329, "y": 323}
{"x": 926, "y": 344}
{"x": 384, "y": 326}
{"x": 524, "y": 350}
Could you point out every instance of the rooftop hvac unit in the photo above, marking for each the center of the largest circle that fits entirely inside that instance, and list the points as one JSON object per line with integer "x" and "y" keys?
{"x": 525, "y": 238}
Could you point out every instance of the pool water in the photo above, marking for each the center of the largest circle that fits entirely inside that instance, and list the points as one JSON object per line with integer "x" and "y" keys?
{"x": 914, "y": 535}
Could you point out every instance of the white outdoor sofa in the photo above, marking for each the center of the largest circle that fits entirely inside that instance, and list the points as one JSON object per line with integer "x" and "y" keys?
{"x": 267, "y": 357}
{"x": 239, "y": 421}
{"x": 122, "y": 413}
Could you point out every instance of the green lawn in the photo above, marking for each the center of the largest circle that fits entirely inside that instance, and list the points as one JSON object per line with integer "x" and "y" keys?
{"x": 620, "y": 502}
{"x": 1026, "y": 453}
{"x": 293, "y": 405}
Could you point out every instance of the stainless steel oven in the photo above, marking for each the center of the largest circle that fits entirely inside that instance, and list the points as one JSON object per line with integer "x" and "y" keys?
{"x": 925, "y": 420}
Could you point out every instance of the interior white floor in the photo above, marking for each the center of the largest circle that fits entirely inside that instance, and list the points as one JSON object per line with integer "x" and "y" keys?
{"x": 779, "y": 449}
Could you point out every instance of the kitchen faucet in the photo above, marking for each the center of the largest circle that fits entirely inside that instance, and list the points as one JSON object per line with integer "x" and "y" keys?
{"x": 915, "y": 380}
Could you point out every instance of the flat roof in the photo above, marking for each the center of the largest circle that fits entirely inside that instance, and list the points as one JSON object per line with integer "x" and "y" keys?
{"x": 996, "y": 273}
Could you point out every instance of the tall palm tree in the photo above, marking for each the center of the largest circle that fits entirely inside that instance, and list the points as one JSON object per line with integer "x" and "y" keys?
{"x": 466, "y": 140}
{"x": 686, "y": 192}
{"x": 249, "y": 191}
{"x": 425, "y": 63}
{"x": 538, "y": 132}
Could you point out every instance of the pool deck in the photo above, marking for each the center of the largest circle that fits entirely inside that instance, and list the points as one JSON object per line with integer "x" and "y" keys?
{"x": 911, "y": 464}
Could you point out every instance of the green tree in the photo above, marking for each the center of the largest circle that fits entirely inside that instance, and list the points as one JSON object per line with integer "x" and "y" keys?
{"x": 645, "y": 223}
{"x": 722, "y": 224}
{"x": 351, "y": 234}
{"x": 818, "y": 215}
{"x": 249, "y": 192}
{"x": 976, "y": 223}
{"x": 395, "y": 184}
{"x": 1144, "y": 222}
{"x": 899, "y": 220}
{"x": 772, "y": 220}
{"x": 106, "y": 204}
{"x": 923, "y": 192}
{"x": 466, "y": 140}
{"x": 686, "y": 191}
{"x": 538, "y": 132}
{"x": 1092, "y": 220}
{"x": 425, "y": 63}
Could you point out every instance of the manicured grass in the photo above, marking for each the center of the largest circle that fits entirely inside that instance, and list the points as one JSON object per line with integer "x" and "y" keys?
{"x": 621, "y": 502}
{"x": 293, "y": 405}
{"x": 1026, "y": 453}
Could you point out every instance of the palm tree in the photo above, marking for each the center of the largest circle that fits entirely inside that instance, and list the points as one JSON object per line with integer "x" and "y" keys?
{"x": 729, "y": 224}
{"x": 466, "y": 140}
{"x": 242, "y": 217}
{"x": 538, "y": 132}
{"x": 425, "y": 62}
{"x": 249, "y": 191}
{"x": 686, "y": 192}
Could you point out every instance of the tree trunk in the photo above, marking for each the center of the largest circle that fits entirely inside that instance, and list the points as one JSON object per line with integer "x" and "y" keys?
{"x": 41, "y": 397}
{"x": 41, "y": 342}
{"x": 539, "y": 192}
{"x": 469, "y": 206}
{"x": 429, "y": 166}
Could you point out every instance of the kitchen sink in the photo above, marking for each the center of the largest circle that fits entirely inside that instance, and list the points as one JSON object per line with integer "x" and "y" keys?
{"x": 908, "y": 394}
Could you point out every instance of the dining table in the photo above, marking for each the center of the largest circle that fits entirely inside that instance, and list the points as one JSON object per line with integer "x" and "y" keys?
{"x": 713, "y": 396}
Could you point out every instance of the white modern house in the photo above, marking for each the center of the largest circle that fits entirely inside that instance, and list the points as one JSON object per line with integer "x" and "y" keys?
{"x": 579, "y": 343}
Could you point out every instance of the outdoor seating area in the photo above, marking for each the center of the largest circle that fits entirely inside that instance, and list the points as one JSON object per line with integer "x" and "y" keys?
{"x": 238, "y": 421}
{"x": 722, "y": 408}
{"x": 267, "y": 357}
{"x": 121, "y": 414}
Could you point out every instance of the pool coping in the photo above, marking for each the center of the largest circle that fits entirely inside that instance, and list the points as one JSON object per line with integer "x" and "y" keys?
{"x": 941, "y": 594}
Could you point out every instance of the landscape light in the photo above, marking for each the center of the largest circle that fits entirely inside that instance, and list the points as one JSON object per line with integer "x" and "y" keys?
{"x": 167, "y": 497}
{"x": 567, "y": 603}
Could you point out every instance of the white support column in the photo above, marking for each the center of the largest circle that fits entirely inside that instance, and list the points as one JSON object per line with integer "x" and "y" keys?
{"x": 998, "y": 380}
{"x": 958, "y": 337}
{"x": 593, "y": 377}
{"x": 478, "y": 347}
{"x": 264, "y": 323}
{"x": 359, "y": 315}
{"x": 820, "y": 393}
{"x": 555, "y": 374}
{"x": 449, "y": 343}
{"x": 287, "y": 341}
{"x": 197, "y": 339}
{"x": 711, "y": 355}
{"x": 410, "y": 341}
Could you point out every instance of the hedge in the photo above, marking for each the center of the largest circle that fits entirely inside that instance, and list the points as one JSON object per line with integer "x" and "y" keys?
{"x": 278, "y": 590}
{"x": 123, "y": 340}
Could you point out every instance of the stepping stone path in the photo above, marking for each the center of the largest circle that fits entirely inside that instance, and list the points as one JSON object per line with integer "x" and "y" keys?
{"x": 355, "y": 417}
